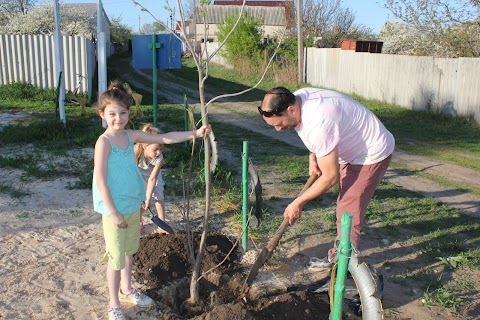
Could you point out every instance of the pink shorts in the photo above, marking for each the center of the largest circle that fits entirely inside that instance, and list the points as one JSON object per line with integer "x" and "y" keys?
{"x": 357, "y": 186}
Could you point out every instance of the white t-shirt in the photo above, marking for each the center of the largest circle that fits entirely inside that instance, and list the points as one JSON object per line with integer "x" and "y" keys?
{"x": 332, "y": 119}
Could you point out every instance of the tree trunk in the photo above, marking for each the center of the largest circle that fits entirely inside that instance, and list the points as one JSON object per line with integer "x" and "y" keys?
{"x": 194, "y": 285}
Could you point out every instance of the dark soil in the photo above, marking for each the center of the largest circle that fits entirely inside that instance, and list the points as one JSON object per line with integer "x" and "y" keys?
{"x": 162, "y": 265}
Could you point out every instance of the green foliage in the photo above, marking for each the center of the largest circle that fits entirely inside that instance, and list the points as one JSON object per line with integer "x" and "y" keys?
{"x": 153, "y": 28}
{"x": 119, "y": 32}
{"x": 13, "y": 192}
{"x": 53, "y": 134}
{"x": 243, "y": 46}
{"x": 25, "y": 91}
{"x": 83, "y": 182}
{"x": 464, "y": 259}
{"x": 442, "y": 296}
{"x": 287, "y": 51}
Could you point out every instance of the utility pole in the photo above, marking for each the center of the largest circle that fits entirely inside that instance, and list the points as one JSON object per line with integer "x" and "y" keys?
{"x": 101, "y": 54}
{"x": 59, "y": 63}
{"x": 300, "y": 42}
{"x": 138, "y": 24}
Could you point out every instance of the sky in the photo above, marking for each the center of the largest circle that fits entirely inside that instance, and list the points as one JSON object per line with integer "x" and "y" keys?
{"x": 367, "y": 12}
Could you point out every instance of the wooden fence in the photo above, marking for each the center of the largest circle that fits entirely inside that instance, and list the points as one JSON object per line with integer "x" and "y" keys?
{"x": 31, "y": 58}
{"x": 450, "y": 86}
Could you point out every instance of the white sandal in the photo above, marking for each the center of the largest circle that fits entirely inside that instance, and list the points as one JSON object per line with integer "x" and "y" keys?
{"x": 316, "y": 264}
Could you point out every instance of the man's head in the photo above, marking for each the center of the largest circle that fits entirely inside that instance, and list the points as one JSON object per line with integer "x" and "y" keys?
{"x": 278, "y": 108}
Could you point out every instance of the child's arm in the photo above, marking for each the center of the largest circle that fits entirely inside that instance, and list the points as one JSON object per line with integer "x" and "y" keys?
{"x": 152, "y": 180}
{"x": 102, "y": 151}
{"x": 170, "y": 137}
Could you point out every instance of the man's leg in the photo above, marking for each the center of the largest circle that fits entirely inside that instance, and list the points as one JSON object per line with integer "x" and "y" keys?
{"x": 357, "y": 186}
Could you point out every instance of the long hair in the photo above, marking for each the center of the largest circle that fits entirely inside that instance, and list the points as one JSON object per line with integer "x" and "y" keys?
{"x": 115, "y": 94}
{"x": 149, "y": 128}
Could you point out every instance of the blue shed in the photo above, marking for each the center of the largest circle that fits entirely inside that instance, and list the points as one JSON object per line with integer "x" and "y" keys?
{"x": 169, "y": 54}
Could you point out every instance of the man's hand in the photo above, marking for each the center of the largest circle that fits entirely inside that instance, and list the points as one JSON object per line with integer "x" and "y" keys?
{"x": 293, "y": 212}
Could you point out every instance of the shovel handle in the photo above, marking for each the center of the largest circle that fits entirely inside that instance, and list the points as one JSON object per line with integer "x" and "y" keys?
{"x": 267, "y": 251}
{"x": 276, "y": 237}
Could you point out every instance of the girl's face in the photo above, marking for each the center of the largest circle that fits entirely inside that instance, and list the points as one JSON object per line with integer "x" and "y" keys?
{"x": 152, "y": 151}
{"x": 115, "y": 115}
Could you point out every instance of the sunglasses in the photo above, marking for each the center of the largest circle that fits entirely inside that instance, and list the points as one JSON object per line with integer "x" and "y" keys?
{"x": 270, "y": 113}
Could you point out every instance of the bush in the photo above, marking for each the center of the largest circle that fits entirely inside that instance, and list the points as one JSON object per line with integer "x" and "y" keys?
{"x": 243, "y": 49}
{"x": 25, "y": 91}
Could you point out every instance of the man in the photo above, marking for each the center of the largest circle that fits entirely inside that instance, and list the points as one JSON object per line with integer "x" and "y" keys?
{"x": 337, "y": 130}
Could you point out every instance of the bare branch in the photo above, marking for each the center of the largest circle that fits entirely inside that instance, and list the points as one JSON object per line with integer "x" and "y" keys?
{"x": 255, "y": 86}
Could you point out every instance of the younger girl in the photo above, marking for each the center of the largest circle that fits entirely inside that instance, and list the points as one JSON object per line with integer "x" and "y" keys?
{"x": 150, "y": 160}
{"x": 118, "y": 192}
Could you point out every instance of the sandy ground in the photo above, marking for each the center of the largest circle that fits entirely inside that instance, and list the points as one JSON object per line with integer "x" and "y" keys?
{"x": 51, "y": 246}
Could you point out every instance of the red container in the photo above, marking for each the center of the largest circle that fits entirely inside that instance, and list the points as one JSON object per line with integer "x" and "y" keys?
{"x": 362, "y": 46}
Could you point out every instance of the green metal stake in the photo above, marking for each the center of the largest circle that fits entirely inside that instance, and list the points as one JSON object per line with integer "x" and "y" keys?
{"x": 185, "y": 114}
{"x": 344, "y": 250}
{"x": 57, "y": 96}
{"x": 154, "y": 46}
{"x": 245, "y": 194}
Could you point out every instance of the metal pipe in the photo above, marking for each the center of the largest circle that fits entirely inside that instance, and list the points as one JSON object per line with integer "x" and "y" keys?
{"x": 185, "y": 114}
{"x": 154, "y": 74}
{"x": 344, "y": 250}
{"x": 245, "y": 194}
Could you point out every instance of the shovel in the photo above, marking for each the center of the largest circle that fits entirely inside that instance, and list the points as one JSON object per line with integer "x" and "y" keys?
{"x": 266, "y": 252}
{"x": 160, "y": 223}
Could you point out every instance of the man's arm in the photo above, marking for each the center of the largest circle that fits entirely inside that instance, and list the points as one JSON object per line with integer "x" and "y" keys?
{"x": 313, "y": 165}
{"x": 328, "y": 167}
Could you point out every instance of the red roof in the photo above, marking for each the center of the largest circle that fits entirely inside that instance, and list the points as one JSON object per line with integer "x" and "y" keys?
{"x": 178, "y": 27}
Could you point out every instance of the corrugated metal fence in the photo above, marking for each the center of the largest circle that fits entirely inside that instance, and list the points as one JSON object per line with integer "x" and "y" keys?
{"x": 31, "y": 58}
{"x": 450, "y": 86}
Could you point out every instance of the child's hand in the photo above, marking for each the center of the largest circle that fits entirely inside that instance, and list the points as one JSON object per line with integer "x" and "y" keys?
{"x": 203, "y": 131}
{"x": 145, "y": 205}
{"x": 119, "y": 221}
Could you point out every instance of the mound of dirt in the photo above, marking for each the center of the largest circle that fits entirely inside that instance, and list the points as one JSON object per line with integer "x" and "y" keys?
{"x": 163, "y": 267}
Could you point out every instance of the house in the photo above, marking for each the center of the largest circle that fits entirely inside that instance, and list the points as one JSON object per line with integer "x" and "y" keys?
{"x": 273, "y": 20}
{"x": 287, "y": 4}
{"x": 178, "y": 28}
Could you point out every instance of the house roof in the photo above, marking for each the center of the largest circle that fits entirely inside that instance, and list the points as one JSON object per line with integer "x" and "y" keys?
{"x": 178, "y": 27}
{"x": 272, "y": 16}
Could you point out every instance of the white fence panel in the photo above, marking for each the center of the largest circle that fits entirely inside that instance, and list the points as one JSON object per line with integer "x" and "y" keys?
{"x": 469, "y": 96}
{"x": 449, "y": 86}
{"x": 323, "y": 68}
{"x": 31, "y": 58}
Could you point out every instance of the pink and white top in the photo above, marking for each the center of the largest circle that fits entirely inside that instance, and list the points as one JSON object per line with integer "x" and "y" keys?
{"x": 331, "y": 119}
